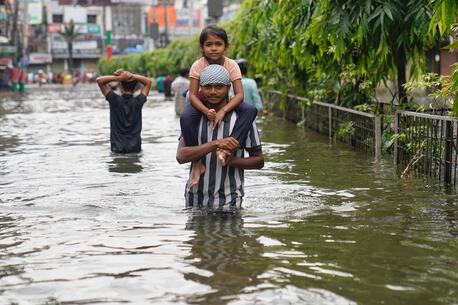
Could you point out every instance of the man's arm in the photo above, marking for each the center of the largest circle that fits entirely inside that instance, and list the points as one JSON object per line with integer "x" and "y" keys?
{"x": 146, "y": 82}
{"x": 254, "y": 161}
{"x": 103, "y": 81}
{"x": 187, "y": 154}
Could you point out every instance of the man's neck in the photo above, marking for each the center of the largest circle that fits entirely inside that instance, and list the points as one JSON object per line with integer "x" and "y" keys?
{"x": 217, "y": 107}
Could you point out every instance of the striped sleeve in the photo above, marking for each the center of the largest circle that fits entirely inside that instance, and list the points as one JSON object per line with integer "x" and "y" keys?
{"x": 253, "y": 139}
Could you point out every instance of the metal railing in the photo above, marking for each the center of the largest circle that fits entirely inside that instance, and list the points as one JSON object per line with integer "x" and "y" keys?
{"x": 426, "y": 144}
{"x": 356, "y": 128}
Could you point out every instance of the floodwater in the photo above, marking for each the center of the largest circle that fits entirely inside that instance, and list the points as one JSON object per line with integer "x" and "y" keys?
{"x": 322, "y": 224}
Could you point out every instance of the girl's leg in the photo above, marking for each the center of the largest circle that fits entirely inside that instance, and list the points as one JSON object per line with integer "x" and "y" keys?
{"x": 246, "y": 114}
{"x": 189, "y": 122}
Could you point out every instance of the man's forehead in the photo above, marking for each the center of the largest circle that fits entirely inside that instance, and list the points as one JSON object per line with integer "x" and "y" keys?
{"x": 214, "y": 84}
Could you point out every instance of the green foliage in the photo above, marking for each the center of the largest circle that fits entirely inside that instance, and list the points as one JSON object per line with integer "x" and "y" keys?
{"x": 136, "y": 63}
{"x": 345, "y": 130}
{"x": 454, "y": 89}
{"x": 335, "y": 50}
{"x": 178, "y": 54}
{"x": 366, "y": 107}
{"x": 445, "y": 14}
{"x": 442, "y": 89}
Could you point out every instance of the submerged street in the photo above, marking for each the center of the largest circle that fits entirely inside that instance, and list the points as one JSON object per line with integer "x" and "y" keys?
{"x": 322, "y": 224}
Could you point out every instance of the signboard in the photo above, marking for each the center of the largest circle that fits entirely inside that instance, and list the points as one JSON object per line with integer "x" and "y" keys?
{"x": 3, "y": 15}
{"x": 85, "y": 2}
{"x": 141, "y": 2}
{"x": 55, "y": 28}
{"x": 63, "y": 53}
{"x": 7, "y": 50}
{"x": 85, "y": 45}
{"x": 156, "y": 15}
{"x": 40, "y": 58}
{"x": 35, "y": 13}
{"x": 183, "y": 15}
{"x": 76, "y": 13}
{"x": 88, "y": 28}
{"x": 59, "y": 44}
{"x": 82, "y": 48}
{"x": 6, "y": 61}
{"x": 93, "y": 28}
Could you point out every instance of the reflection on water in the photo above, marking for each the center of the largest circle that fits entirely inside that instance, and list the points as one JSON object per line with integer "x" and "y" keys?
{"x": 322, "y": 224}
{"x": 225, "y": 255}
{"x": 128, "y": 163}
{"x": 10, "y": 239}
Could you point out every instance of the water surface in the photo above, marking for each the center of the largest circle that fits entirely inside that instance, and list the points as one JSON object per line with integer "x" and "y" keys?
{"x": 322, "y": 224}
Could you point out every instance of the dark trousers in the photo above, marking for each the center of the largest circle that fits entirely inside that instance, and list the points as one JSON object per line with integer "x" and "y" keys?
{"x": 190, "y": 118}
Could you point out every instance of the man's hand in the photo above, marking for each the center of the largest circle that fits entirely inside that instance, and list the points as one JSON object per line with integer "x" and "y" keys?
{"x": 211, "y": 114}
{"x": 219, "y": 118}
{"x": 229, "y": 144}
{"x": 118, "y": 72}
{"x": 127, "y": 76}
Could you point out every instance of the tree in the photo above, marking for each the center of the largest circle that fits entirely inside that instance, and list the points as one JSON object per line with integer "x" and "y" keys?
{"x": 308, "y": 44}
{"x": 70, "y": 33}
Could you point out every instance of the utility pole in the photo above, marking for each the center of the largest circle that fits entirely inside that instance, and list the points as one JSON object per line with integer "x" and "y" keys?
{"x": 25, "y": 27}
{"x": 191, "y": 17}
{"x": 215, "y": 9}
{"x": 166, "y": 21}
{"x": 14, "y": 31}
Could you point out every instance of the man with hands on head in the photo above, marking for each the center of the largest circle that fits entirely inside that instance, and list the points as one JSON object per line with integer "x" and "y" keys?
{"x": 125, "y": 109}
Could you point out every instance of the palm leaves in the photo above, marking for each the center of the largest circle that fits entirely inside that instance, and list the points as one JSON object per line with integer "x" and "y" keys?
{"x": 70, "y": 33}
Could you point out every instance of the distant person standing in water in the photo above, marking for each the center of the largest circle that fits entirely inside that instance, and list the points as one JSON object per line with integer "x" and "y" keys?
{"x": 15, "y": 78}
{"x": 179, "y": 86}
{"x": 22, "y": 80}
{"x": 250, "y": 88}
{"x": 160, "y": 83}
{"x": 168, "y": 86}
{"x": 125, "y": 110}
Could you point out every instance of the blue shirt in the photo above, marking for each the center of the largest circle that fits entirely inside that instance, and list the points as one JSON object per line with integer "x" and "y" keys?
{"x": 250, "y": 92}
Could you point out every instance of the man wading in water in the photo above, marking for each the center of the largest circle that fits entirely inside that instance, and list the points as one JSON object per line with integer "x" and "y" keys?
{"x": 219, "y": 187}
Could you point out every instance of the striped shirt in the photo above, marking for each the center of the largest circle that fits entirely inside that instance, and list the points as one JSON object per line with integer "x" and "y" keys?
{"x": 220, "y": 187}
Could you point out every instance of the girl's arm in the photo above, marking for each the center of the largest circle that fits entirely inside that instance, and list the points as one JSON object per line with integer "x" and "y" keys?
{"x": 234, "y": 102}
{"x": 195, "y": 101}
{"x": 238, "y": 97}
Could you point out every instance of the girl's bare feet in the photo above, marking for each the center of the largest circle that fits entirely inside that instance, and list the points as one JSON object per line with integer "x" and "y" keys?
{"x": 197, "y": 169}
{"x": 222, "y": 156}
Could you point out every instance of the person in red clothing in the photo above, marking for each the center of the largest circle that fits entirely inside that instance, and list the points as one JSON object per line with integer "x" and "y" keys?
{"x": 168, "y": 85}
{"x": 14, "y": 78}
{"x": 22, "y": 80}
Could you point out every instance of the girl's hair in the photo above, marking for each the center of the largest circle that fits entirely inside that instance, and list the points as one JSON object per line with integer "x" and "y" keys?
{"x": 214, "y": 30}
